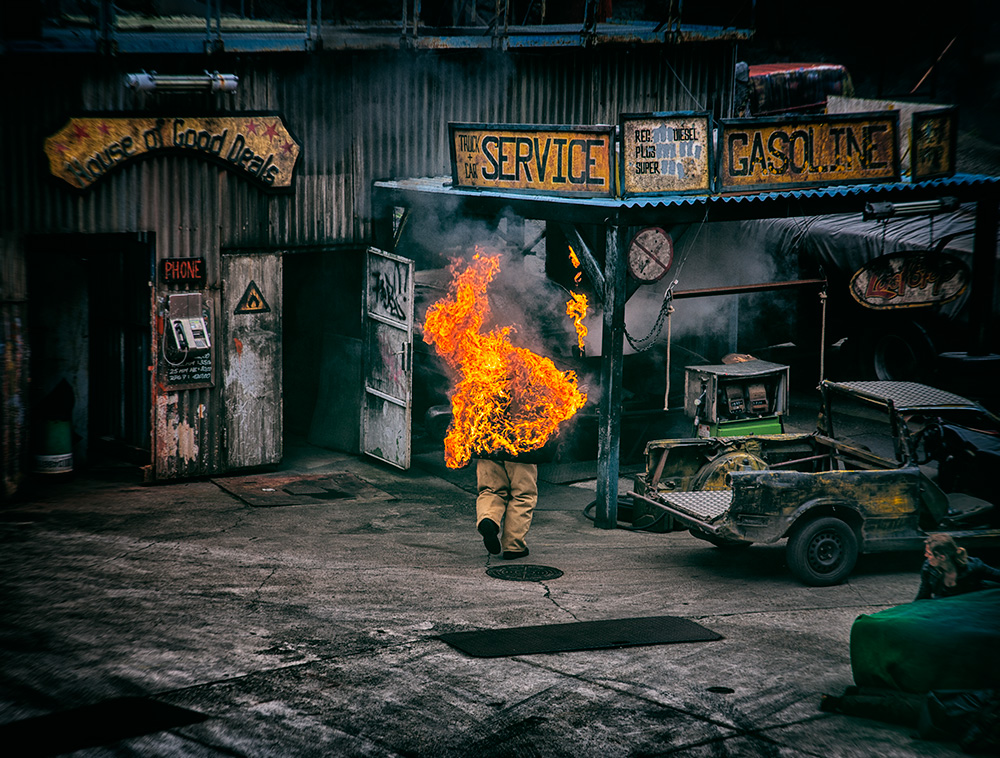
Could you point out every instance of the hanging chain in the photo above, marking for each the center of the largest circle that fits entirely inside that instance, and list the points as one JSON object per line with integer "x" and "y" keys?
{"x": 642, "y": 345}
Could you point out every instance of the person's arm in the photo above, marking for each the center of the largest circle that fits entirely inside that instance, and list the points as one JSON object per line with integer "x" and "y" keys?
{"x": 924, "y": 593}
{"x": 987, "y": 573}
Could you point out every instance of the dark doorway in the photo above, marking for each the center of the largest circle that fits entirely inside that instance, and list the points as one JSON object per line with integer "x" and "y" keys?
{"x": 90, "y": 334}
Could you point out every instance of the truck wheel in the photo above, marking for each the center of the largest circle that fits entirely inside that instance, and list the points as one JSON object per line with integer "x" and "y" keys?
{"x": 822, "y": 552}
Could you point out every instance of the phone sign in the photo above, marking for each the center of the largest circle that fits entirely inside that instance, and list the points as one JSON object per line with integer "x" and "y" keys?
{"x": 182, "y": 271}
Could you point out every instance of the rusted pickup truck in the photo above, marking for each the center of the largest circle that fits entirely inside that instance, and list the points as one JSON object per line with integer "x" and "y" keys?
{"x": 889, "y": 463}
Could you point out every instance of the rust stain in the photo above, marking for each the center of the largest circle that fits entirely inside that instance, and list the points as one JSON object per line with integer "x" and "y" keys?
{"x": 239, "y": 345}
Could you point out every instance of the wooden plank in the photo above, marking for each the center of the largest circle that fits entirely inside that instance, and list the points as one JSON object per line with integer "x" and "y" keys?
{"x": 252, "y": 360}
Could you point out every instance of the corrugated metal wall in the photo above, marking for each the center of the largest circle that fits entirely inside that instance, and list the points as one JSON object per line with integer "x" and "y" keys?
{"x": 358, "y": 116}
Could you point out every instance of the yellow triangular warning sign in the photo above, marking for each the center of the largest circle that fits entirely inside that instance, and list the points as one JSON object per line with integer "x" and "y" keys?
{"x": 252, "y": 301}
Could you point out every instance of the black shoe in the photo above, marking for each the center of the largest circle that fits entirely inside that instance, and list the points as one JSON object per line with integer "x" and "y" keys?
{"x": 490, "y": 529}
{"x": 509, "y": 555}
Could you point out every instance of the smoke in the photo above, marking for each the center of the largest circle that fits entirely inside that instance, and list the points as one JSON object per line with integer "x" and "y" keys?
{"x": 521, "y": 296}
{"x": 716, "y": 255}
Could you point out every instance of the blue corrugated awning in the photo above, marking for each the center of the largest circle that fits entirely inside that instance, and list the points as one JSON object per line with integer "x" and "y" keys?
{"x": 960, "y": 184}
{"x": 684, "y": 208}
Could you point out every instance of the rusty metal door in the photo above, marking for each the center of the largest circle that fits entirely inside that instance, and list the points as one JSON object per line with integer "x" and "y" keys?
{"x": 388, "y": 357}
{"x": 251, "y": 359}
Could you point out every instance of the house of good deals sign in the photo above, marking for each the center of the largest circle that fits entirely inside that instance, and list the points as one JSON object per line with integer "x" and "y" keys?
{"x": 258, "y": 147}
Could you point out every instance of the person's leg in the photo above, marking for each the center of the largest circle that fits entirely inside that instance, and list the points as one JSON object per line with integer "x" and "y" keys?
{"x": 520, "y": 508}
{"x": 491, "y": 503}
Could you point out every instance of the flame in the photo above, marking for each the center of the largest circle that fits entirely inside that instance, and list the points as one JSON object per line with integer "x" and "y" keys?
{"x": 508, "y": 399}
{"x": 578, "y": 277}
{"x": 576, "y": 308}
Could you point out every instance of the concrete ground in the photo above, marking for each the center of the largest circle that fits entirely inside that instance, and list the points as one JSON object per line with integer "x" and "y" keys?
{"x": 302, "y": 626}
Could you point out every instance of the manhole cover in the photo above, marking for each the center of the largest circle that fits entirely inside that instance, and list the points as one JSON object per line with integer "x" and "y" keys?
{"x": 524, "y": 573}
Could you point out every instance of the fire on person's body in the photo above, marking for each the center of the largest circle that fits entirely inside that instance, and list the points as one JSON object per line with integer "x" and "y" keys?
{"x": 507, "y": 399}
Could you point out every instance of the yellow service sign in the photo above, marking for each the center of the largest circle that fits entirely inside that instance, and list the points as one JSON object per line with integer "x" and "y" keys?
{"x": 842, "y": 149}
{"x": 553, "y": 160}
{"x": 256, "y": 146}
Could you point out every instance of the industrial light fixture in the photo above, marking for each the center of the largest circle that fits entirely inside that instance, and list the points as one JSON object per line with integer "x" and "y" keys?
{"x": 153, "y": 82}
{"x": 880, "y": 211}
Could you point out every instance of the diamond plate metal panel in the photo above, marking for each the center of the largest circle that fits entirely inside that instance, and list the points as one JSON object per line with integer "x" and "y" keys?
{"x": 907, "y": 394}
{"x": 704, "y": 506}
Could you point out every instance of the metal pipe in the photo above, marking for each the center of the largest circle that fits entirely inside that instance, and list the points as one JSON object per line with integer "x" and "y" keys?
{"x": 214, "y": 82}
{"x": 876, "y": 211}
{"x": 741, "y": 289}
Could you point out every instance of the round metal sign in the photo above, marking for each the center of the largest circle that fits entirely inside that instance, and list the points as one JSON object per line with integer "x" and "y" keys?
{"x": 650, "y": 254}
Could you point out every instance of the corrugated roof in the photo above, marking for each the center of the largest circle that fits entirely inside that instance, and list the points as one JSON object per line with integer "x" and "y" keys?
{"x": 441, "y": 185}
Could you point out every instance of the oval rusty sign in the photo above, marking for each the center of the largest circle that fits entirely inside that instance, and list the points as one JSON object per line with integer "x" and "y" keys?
{"x": 909, "y": 280}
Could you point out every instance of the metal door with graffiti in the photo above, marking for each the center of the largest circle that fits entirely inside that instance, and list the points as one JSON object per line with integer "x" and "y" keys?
{"x": 388, "y": 357}
{"x": 251, "y": 369}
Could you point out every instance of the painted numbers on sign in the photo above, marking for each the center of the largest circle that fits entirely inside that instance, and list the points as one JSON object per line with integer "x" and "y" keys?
{"x": 665, "y": 153}
{"x": 539, "y": 159}
{"x": 809, "y": 151}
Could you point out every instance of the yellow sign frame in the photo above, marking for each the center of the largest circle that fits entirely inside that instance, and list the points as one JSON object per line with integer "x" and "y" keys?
{"x": 254, "y": 145}
{"x": 666, "y": 153}
{"x": 555, "y": 160}
{"x": 808, "y": 151}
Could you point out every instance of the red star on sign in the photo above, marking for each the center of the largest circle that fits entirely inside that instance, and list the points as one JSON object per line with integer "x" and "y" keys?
{"x": 104, "y": 128}
{"x": 251, "y": 127}
{"x": 61, "y": 147}
{"x": 287, "y": 148}
{"x": 271, "y": 131}
{"x": 79, "y": 132}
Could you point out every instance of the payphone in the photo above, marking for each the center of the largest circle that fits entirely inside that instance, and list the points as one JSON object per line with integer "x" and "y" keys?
{"x": 185, "y": 330}
{"x": 190, "y": 333}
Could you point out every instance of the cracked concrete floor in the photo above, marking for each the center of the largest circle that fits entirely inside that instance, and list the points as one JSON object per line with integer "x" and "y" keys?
{"x": 311, "y": 630}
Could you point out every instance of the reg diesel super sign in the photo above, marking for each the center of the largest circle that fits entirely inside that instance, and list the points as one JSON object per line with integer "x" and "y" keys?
{"x": 809, "y": 151}
{"x": 547, "y": 159}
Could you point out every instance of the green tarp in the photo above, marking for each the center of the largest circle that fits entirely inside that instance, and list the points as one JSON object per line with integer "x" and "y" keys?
{"x": 945, "y": 644}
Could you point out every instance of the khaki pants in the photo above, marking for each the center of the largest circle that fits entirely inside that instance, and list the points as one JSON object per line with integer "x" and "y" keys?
{"x": 508, "y": 493}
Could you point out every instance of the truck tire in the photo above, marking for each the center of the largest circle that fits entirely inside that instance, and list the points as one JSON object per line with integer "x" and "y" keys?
{"x": 822, "y": 552}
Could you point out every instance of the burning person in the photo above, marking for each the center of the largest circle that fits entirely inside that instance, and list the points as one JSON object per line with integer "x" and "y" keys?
{"x": 507, "y": 401}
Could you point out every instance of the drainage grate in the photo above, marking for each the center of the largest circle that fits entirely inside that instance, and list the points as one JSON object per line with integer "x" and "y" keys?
{"x": 524, "y": 573}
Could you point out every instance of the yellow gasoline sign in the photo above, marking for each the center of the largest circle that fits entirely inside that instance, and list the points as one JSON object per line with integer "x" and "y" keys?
{"x": 809, "y": 151}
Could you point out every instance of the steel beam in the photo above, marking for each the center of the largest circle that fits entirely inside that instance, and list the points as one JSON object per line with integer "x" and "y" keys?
{"x": 612, "y": 351}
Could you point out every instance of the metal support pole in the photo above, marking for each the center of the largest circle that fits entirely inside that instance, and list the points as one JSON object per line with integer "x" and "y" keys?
{"x": 984, "y": 251}
{"x": 612, "y": 350}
